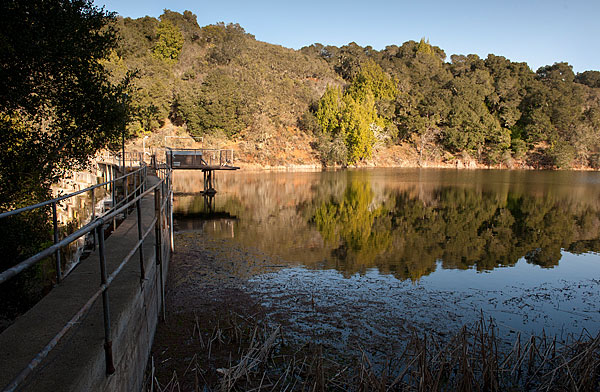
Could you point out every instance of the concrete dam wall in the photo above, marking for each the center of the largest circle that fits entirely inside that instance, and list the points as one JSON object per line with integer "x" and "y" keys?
{"x": 78, "y": 362}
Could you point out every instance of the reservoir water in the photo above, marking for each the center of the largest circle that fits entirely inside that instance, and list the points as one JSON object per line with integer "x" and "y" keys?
{"x": 360, "y": 257}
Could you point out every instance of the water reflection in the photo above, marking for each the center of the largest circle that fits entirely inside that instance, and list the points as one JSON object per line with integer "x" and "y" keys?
{"x": 402, "y": 222}
{"x": 200, "y": 214}
{"x": 462, "y": 227}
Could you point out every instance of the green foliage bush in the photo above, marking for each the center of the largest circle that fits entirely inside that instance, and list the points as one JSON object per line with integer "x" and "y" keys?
{"x": 519, "y": 148}
{"x": 351, "y": 115}
{"x": 563, "y": 155}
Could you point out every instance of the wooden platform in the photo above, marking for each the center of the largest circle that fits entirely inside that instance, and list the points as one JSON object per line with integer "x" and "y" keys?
{"x": 206, "y": 160}
{"x": 205, "y": 167}
{"x": 200, "y": 159}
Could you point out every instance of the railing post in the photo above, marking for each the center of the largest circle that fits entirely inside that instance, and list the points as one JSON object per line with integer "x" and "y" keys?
{"x": 114, "y": 194}
{"x": 125, "y": 191}
{"x": 158, "y": 234}
{"x": 140, "y": 235}
{"x": 135, "y": 182}
{"x": 94, "y": 215}
{"x": 57, "y": 254}
{"x": 108, "y": 354}
{"x": 171, "y": 217}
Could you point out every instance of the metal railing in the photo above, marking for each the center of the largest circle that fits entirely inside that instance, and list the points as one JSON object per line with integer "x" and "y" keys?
{"x": 163, "y": 216}
{"x": 137, "y": 177}
{"x": 132, "y": 158}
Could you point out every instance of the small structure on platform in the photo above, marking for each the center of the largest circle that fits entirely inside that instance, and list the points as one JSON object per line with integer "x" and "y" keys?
{"x": 207, "y": 160}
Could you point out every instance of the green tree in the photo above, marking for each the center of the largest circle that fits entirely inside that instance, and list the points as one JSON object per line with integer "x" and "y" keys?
{"x": 331, "y": 140}
{"x": 219, "y": 105}
{"x": 423, "y": 102}
{"x": 330, "y": 109}
{"x": 352, "y": 118}
{"x": 510, "y": 81}
{"x": 225, "y": 42}
{"x": 554, "y": 114}
{"x": 471, "y": 126}
{"x": 57, "y": 104}
{"x": 589, "y": 78}
{"x": 169, "y": 41}
{"x": 186, "y": 23}
{"x": 358, "y": 121}
{"x": 348, "y": 60}
{"x": 372, "y": 79}
{"x": 353, "y": 115}
{"x": 137, "y": 36}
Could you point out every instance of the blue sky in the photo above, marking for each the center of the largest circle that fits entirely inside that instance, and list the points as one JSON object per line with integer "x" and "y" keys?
{"x": 537, "y": 32}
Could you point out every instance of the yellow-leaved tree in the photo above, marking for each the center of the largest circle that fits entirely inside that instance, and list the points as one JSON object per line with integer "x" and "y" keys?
{"x": 352, "y": 115}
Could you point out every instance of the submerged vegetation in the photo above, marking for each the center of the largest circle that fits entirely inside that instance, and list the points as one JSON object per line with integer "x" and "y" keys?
{"x": 220, "y": 82}
{"x": 223, "y": 332}
{"x": 242, "y": 353}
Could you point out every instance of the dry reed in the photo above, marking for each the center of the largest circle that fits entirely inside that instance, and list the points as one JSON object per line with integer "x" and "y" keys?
{"x": 475, "y": 359}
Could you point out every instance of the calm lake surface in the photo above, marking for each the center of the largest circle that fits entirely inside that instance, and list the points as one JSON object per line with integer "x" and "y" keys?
{"x": 361, "y": 256}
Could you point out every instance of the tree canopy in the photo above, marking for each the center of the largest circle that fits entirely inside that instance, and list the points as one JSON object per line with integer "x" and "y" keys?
{"x": 492, "y": 110}
{"x": 57, "y": 105}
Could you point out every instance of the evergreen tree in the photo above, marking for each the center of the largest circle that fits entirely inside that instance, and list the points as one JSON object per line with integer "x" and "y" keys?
{"x": 169, "y": 41}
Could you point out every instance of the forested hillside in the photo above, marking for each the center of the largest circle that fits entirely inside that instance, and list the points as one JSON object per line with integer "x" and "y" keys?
{"x": 353, "y": 104}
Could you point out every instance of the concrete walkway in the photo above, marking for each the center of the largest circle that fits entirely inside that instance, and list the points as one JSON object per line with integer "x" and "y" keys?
{"x": 78, "y": 362}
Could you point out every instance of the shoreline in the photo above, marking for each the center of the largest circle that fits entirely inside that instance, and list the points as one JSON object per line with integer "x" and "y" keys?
{"x": 311, "y": 167}
{"x": 303, "y": 157}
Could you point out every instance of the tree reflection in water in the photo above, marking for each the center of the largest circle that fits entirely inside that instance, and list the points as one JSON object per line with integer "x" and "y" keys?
{"x": 405, "y": 222}
{"x": 462, "y": 227}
